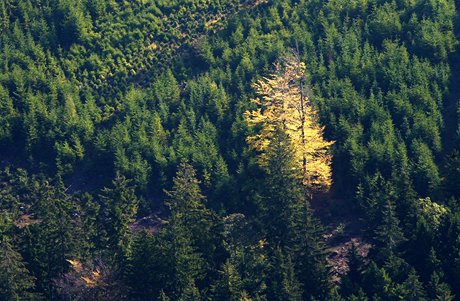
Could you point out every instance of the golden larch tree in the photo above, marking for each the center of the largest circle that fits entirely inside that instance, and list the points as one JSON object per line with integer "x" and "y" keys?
{"x": 283, "y": 104}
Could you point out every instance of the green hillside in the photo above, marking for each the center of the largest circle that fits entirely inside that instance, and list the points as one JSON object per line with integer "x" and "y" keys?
{"x": 127, "y": 170}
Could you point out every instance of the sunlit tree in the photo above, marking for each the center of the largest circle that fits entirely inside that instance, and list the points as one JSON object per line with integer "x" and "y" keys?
{"x": 284, "y": 104}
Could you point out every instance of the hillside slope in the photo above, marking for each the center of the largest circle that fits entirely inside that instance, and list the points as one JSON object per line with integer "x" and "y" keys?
{"x": 113, "y": 112}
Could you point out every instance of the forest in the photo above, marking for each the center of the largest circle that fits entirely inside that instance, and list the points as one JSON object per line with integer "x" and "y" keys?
{"x": 229, "y": 150}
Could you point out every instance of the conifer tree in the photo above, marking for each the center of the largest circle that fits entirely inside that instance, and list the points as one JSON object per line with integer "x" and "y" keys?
{"x": 412, "y": 288}
{"x": 448, "y": 248}
{"x": 288, "y": 218}
{"x": 187, "y": 205}
{"x": 119, "y": 205}
{"x": 284, "y": 105}
{"x": 148, "y": 254}
{"x": 360, "y": 296}
{"x": 16, "y": 283}
{"x": 250, "y": 260}
{"x": 229, "y": 284}
{"x": 438, "y": 290}
{"x": 186, "y": 193}
{"x": 163, "y": 296}
{"x": 51, "y": 239}
{"x": 308, "y": 253}
{"x": 376, "y": 282}
{"x": 283, "y": 193}
{"x": 186, "y": 264}
{"x": 452, "y": 179}
{"x": 282, "y": 280}
{"x": 388, "y": 234}
{"x": 351, "y": 282}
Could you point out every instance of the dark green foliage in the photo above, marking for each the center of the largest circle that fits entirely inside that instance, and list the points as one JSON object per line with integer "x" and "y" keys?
{"x": 448, "y": 248}
{"x": 185, "y": 266}
{"x": 52, "y": 237}
{"x": 387, "y": 235}
{"x": 352, "y": 281}
{"x": 439, "y": 290}
{"x": 452, "y": 180}
{"x": 376, "y": 282}
{"x": 147, "y": 256}
{"x": 94, "y": 89}
{"x": 16, "y": 283}
{"x": 118, "y": 208}
{"x": 412, "y": 289}
{"x": 229, "y": 284}
{"x": 282, "y": 280}
{"x": 283, "y": 197}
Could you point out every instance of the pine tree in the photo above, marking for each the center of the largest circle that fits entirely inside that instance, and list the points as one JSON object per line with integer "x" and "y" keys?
{"x": 52, "y": 239}
{"x": 448, "y": 248}
{"x": 334, "y": 295}
{"x": 308, "y": 253}
{"x": 186, "y": 193}
{"x": 288, "y": 218}
{"x": 163, "y": 296}
{"x": 388, "y": 234}
{"x": 229, "y": 285}
{"x": 187, "y": 204}
{"x": 119, "y": 206}
{"x": 282, "y": 280}
{"x": 351, "y": 282}
{"x": 148, "y": 254}
{"x": 283, "y": 192}
{"x": 376, "y": 282}
{"x": 16, "y": 283}
{"x": 433, "y": 264}
{"x": 361, "y": 296}
{"x": 420, "y": 245}
{"x": 186, "y": 264}
{"x": 397, "y": 268}
{"x": 250, "y": 260}
{"x": 438, "y": 290}
{"x": 452, "y": 179}
{"x": 412, "y": 288}
{"x": 4, "y": 17}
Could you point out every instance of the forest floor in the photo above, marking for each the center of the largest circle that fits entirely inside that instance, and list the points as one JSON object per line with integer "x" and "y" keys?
{"x": 343, "y": 230}
{"x": 150, "y": 223}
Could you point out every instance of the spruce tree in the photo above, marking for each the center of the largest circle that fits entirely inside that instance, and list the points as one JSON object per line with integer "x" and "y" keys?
{"x": 439, "y": 290}
{"x": 387, "y": 234}
{"x": 351, "y": 282}
{"x": 148, "y": 255}
{"x": 452, "y": 179}
{"x": 16, "y": 283}
{"x": 51, "y": 239}
{"x": 360, "y": 296}
{"x": 186, "y": 264}
{"x": 282, "y": 280}
{"x": 288, "y": 218}
{"x": 229, "y": 286}
{"x": 376, "y": 282}
{"x": 283, "y": 196}
{"x": 118, "y": 208}
{"x": 412, "y": 288}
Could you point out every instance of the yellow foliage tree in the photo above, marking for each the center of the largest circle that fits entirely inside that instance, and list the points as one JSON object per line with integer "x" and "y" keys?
{"x": 283, "y": 104}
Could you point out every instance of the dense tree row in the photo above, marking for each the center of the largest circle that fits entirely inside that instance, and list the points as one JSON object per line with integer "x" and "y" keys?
{"x": 85, "y": 151}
